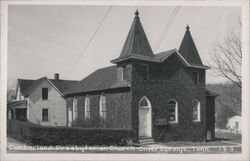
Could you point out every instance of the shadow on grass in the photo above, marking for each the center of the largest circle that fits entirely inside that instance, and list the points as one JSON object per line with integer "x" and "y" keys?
{"x": 221, "y": 139}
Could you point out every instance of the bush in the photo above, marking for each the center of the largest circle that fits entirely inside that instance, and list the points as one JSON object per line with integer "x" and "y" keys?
{"x": 78, "y": 136}
{"x": 19, "y": 129}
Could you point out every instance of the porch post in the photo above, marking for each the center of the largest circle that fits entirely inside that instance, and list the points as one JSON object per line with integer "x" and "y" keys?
{"x": 9, "y": 114}
{"x": 27, "y": 110}
{"x": 14, "y": 113}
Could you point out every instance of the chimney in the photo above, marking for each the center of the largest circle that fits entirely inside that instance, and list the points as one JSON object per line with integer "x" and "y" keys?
{"x": 56, "y": 76}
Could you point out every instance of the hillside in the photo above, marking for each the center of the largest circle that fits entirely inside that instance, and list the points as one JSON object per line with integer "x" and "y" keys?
{"x": 228, "y": 103}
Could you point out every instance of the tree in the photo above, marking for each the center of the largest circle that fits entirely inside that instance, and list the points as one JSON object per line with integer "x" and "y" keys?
{"x": 226, "y": 62}
{"x": 227, "y": 57}
{"x": 10, "y": 91}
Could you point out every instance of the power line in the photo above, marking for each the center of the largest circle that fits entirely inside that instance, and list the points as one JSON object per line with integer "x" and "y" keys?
{"x": 89, "y": 42}
{"x": 175, "y": 12}
{"x": 165, "y": 29}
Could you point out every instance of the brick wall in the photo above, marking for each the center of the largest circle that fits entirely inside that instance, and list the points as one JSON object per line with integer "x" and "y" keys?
{"x": 118, "y": 103}
{"x": 170, "y": 80}
{"x": 167, "y": 80}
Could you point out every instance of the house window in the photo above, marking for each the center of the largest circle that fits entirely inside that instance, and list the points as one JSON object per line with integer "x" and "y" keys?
{"x": 236, "y": 125}
{"x": 44, "y": 93}
{"x": 172, "y": 111}
{"x": 103, "y": 108}
{"x": 196, "y": 110}
{"x": 45, "y": 115}
{"x": 74, "y": 109}
{"x": 87, "y": 108}
{"x": 196, "y": 77}
{"x": 144, "y": 71}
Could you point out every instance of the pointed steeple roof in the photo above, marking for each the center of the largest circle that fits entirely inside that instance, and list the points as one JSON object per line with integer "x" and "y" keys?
{"x": 188, "y": 49}
{"x": 136, "y": 43}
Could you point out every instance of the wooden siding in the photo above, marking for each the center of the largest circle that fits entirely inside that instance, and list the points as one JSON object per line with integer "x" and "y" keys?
{"x": 55, "y": 104}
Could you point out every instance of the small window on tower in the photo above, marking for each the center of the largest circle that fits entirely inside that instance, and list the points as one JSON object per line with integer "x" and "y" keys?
{"x": 196, "y": 77}
{"x": 120, "y": 73}
{"x": 126, "y": 72}
{"x": 144, "y": 71}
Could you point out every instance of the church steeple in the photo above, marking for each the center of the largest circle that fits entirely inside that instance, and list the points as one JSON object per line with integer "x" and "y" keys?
{"x": 188, "y": 49}
{"x": 136, "y": 43}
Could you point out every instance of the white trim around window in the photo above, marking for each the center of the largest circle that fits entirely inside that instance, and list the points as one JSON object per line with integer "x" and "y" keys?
{"x": 172, "y": 111}
{"x": 87, "y": 108}
{"x": 196, "y": 110}
{"x": 75, "y": 113}
{"x": 103, "y": 107}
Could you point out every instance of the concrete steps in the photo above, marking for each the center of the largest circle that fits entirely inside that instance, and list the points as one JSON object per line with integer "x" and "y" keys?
{"x": 144, "y": 141}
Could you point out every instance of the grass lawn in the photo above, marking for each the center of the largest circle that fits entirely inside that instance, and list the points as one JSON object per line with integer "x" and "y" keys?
{"x": 229, "y": 136}
{"x": 232, "y": 137}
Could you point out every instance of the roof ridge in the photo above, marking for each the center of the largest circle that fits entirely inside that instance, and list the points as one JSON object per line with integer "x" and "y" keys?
{"x": 26, "y": 79}
{"x": 105, "y": 67}
{"x": 65, "y": 80}
{"x": 165, "y": 51}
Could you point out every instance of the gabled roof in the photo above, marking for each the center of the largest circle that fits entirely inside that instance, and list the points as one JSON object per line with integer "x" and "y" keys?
{"x": 63, "y": 85}
{"x": 33, "y": 86}
{"x": 27, "y": 86}
{"x": 106, "y": 78}
{"x": 188, "y": 49}
{"x": 24, "y": 84}
{"x": 160, "y": 57}
{"x": 101, "y": 79}
{"x": 164, "y": 55}
{"x": 136, "y": 42}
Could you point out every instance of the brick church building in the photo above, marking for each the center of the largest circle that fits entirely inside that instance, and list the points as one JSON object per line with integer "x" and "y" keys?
{"x": 160, "y": 96}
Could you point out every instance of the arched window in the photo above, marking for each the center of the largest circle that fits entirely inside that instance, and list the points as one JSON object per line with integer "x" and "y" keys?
{"x": 74, "y": 109}
{"x": 144, "y": 103}
{"x": 103, "y": 108}
{"x": 196, "y": 110}
{"x": 172, "y": 111}
{"x": 87, "y": 108}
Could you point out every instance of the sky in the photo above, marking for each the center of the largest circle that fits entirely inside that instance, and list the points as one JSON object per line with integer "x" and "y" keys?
{"x": 48, "y": 39}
